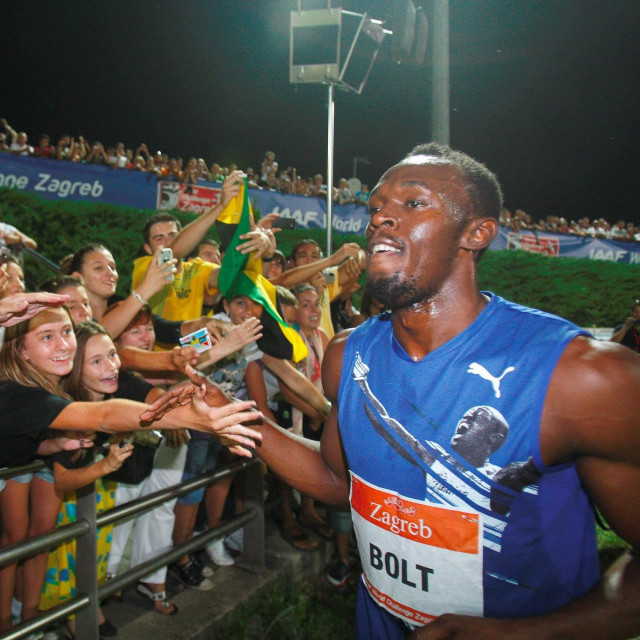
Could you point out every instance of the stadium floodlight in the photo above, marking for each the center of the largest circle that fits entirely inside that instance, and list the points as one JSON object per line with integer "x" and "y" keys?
{"x": 315, "y": 55}
{"x": 314, "y": 46}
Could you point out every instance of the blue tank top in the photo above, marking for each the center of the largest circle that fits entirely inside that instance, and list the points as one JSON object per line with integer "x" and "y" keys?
{"x": 453, "y": 507}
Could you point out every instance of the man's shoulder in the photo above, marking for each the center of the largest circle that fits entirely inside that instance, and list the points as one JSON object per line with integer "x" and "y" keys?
{"x": 335, "y": 349}
{"x": 198, "y": 264}
{"x": 141, "y": 262}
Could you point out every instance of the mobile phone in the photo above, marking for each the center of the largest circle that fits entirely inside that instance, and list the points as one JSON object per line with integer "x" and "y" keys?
{"x": 284, "y": 223}
{"x": 329, "y": 276}
{"x": 165, "y": 255}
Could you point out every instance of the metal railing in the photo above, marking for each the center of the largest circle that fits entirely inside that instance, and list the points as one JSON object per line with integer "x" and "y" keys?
{"x": 89, "y": 593}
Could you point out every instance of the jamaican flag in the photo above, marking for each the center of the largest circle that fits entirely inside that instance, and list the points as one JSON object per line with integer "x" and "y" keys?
{"x": 241, "y": 275}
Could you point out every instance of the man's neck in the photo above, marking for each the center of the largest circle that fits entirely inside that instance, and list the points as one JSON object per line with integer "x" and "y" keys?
{"x": 426, "y": 326}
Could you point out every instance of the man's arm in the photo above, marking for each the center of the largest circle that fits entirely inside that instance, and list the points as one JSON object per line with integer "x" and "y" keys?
{"x": 297, "y": 382}
{"x": 619, "y": 335}
{"x": 319, "y": 471}
{"x": 26, "y": 240}
{"x": 191, "y": 235}
{"x": 10, "y": 130}
{"x": 591, "y": 418}
{"x": 297, "y": 275}
{"x": 22, "y": 306}
{"x": 136, "y": 359}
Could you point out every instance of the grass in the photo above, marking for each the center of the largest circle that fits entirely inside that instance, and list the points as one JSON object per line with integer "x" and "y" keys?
{"x": 305, "y": 610}
{"x": 314, "y": 610}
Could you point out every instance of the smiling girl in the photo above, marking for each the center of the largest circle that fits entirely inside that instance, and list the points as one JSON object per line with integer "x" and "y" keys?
{"x": 36, "y": 356}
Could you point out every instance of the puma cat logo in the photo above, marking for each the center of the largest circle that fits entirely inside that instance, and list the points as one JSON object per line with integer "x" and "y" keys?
{"x": 479, "y": 370}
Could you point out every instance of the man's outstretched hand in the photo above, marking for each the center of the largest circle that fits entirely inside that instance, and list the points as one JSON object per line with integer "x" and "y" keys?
{"x": 174, "y": 397}
{"x": 23, "y": 306}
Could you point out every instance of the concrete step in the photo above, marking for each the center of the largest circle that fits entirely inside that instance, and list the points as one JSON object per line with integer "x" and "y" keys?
{"x": 200, "y": 612}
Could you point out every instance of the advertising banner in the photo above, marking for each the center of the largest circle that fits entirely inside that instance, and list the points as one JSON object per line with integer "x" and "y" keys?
{"x": 57, "y": 180}
{"x": 567, "y": 246}
{"x": 195, "y": 198}
{"x": 311, "y": 213}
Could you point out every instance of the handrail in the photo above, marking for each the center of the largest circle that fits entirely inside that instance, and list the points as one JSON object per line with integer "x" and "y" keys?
{"x": 38, "y": 544}
{"x": 41, "y": 259}
{"x": 32, "y": 467}
{"x": 86, "y": 603}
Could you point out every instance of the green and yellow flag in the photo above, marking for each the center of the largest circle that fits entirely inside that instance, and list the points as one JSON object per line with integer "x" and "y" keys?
{"x": 241, "y": 275}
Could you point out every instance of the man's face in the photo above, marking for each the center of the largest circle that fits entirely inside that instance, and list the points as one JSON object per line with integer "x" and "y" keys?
{"x": 412, "y": 237}
{"x": 160, "y": 235}
{"x": 635, "y": 311}
{"x": 306, "y": 254}
{"x": 242, "y": 308}
{"x": 209, "y": 253}
{"x": 480, "y": 432}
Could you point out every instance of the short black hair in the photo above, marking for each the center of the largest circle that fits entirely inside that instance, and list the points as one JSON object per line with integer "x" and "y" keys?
{"x": 481, "y": 185}
{"x": 158, "y": 217}
{"x": 297, "y": 246}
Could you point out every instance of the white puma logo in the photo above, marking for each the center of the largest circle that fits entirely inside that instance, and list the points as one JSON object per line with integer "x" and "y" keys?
{"x": 479, "y": 370}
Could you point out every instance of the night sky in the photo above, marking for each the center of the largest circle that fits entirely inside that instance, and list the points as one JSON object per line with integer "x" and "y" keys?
{"x": 546, "y": 93}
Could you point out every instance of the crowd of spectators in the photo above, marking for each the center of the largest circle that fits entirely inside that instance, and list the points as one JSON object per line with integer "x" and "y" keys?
{"x": 174, "y": 169}
{"x": 97, "y": 349}
{"x": 584, "y": 227}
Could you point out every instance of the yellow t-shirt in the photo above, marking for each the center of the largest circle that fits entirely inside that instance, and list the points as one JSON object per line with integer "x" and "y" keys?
{"x": 182, "y": 299}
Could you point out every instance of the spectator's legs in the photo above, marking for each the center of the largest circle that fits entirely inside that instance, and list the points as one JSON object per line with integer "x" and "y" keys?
{"x": 45, "y": 507}
{"x": 290, "y": 529}
{"x": 154, "y": 528}
{"x": 214, "y": 498}
{"x": 122, "y": 530}
{"x": 185, "y": 521}
{"x": 14, "y": 514}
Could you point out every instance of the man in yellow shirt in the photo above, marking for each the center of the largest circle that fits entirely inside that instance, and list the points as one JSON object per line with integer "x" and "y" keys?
{"x": 182, "y": 299}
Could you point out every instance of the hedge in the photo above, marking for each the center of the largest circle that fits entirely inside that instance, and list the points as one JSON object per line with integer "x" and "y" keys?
{"x": 590, "y": 293}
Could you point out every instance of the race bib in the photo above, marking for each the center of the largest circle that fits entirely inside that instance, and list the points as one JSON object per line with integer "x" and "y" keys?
{"x": 420, "y": 560}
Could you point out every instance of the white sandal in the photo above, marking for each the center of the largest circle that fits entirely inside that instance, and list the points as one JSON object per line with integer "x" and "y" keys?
{"x": 160, "y": 596}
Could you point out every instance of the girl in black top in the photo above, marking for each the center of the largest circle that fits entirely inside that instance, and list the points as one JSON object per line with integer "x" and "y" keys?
{"x": 36, "y": 356}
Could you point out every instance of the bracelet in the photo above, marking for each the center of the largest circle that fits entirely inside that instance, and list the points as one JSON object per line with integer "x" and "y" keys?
{"x": 139, "y": 298}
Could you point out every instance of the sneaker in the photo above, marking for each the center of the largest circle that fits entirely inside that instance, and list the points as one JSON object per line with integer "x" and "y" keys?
{"x": 205, "y": 569}
{"x": 218, "y": 554}
{"x": 235, "y": 540}
{"x": 337, "y": 573}
{"x": 190, "y": 576}
{"x": 16, "y": 611}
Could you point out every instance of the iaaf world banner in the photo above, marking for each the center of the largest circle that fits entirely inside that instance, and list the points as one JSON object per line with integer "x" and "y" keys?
{"x": 308, "y": 213}
{"x": 567, "y": 246}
